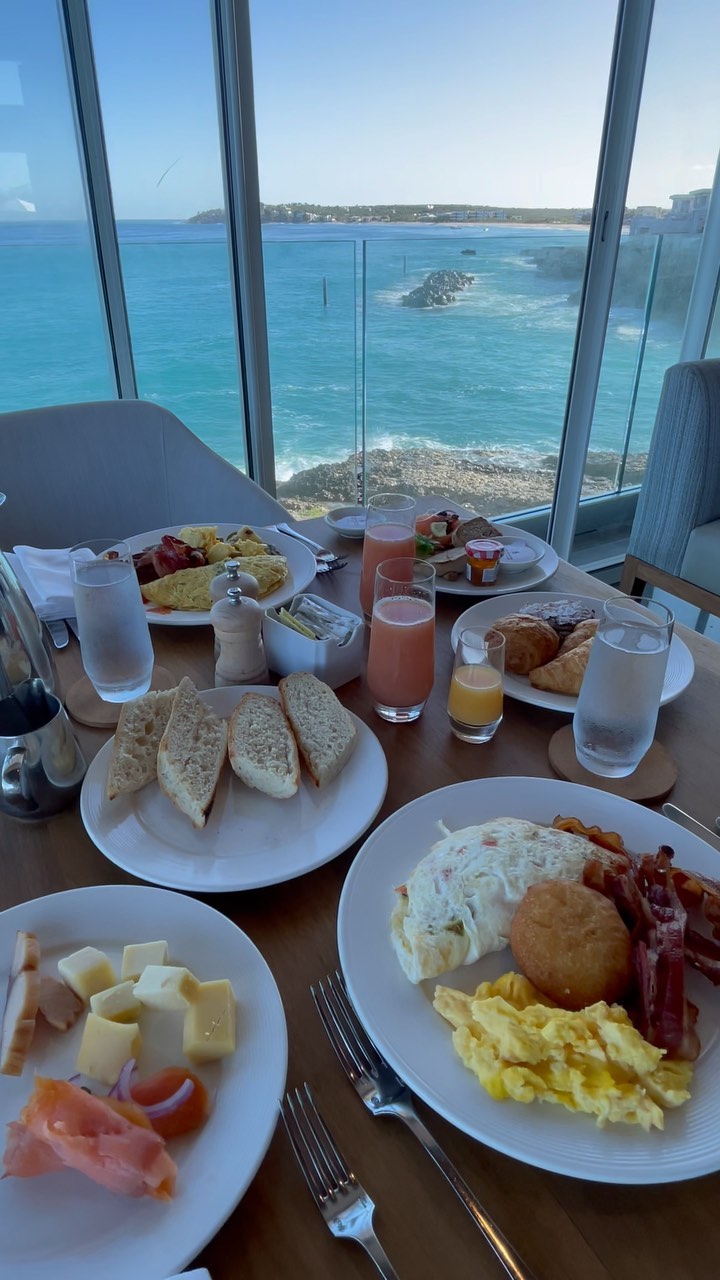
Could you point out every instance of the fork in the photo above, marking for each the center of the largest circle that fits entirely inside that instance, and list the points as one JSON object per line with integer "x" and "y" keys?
{"x": 384, "y": 1093}
{"x": 320, "y": 552}
{"x": 329, "y": 566}
{"x": 342, "y": 1201}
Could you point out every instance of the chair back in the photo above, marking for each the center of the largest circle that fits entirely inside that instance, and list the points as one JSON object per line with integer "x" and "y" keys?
{"x": 115, "y": 468}
{"x": 681, "y": 487}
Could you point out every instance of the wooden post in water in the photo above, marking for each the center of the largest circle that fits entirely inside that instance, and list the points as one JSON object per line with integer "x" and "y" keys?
{"x": 325, "y": 301}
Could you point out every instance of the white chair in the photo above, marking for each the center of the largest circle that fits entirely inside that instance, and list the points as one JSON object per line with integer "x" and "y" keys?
{"x": 675, "y": 539}
{"x": 111, "y": 469}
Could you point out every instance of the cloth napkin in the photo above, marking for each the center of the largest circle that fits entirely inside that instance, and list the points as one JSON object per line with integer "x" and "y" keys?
{"x": 47, "y": 578}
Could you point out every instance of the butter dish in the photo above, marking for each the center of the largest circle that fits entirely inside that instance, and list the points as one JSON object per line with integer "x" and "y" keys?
{"x": 335, "y": 658}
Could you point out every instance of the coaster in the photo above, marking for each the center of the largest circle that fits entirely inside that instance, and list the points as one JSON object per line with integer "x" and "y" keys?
{"x": 653, "y": 779}
{"x": 87, "y": 707}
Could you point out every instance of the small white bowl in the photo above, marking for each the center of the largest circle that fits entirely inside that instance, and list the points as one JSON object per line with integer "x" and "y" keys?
{"x": 519, "y": 566}
{"x": 349, "y": 521}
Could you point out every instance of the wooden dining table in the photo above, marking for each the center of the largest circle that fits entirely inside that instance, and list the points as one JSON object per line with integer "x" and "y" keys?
{"x": 564, "y": 1228}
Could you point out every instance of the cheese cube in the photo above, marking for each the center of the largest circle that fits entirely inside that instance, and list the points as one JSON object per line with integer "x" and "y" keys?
{"x": 209, "y": 1028}
{"x": 118, "y": 1003}
{"x": 87, "y": 971}
{"x": 137, "y": 955}
{"x": 106, "y": 1047}
{"x": 166, "y": 986}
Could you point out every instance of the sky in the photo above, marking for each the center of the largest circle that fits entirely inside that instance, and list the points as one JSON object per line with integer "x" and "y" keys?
{"x": 388, "y": 101}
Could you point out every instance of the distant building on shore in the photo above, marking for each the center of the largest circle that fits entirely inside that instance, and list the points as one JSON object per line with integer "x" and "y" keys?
{"x": 686, "y": 217}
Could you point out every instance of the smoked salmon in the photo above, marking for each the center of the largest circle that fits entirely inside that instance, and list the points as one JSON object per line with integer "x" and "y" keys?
{"x": 64, "y": 1127}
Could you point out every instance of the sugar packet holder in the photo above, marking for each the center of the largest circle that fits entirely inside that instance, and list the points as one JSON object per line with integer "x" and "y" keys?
{"x": 332, "y": 661}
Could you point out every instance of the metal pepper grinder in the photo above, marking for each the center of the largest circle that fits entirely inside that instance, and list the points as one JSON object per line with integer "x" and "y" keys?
{"x": 237, "y": 622}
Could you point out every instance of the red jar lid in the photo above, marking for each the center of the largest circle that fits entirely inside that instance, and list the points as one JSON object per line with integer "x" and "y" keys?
{"x": 484, "y": 549}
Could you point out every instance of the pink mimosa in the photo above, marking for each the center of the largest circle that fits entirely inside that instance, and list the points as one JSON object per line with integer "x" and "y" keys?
{"x": 401, "y": 661}
{"x": 382, "y": 542}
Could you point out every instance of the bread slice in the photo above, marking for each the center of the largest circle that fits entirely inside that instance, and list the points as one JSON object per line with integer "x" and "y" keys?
{"x": 191, "y": 754}
{"x": 133, "y": 762}
{"x": 262, "y": 749}
{"x": 474, "y": 527}
{"x": 325, "y": 732}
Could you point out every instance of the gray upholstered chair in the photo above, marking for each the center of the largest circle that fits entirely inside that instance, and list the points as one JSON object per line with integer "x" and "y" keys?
{"x": 111, "y": 469}
{"x": 675, "y": 539}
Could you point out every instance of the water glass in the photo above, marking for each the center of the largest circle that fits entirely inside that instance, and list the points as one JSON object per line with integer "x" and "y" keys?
{"x": 115, "y": 642}
{"x": 617, "y": 708}
{"x": 401, "y": 660}
{"x": 475, "y": 698}
{"x": 389, "y": 533}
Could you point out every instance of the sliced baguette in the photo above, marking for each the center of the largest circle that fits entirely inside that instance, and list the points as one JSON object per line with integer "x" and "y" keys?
{"x": 261, "y": 746}
{"x": 133, "y": 762}
{"x": 191, "y": 754}
{"x": 325, "y": 732}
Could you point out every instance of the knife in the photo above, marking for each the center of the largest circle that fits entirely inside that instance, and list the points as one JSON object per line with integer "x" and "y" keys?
{"x": 691, "y": 824}
{"x": 58, "y": 633}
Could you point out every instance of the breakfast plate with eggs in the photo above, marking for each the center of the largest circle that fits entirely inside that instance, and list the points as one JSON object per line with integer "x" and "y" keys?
{"x": 280, "y": 576}
{"x": 387, "y": 946}
{"x": 678, "y": 674}
{"x": 64, "y": 1224}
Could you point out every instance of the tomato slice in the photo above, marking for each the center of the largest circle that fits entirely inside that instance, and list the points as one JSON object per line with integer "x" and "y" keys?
{"x": 189, "y": 1115}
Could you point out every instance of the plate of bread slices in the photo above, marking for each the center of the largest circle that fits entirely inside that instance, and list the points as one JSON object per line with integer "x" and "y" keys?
{"x": 548, "y": 637}
{"x": 233, "y": 788}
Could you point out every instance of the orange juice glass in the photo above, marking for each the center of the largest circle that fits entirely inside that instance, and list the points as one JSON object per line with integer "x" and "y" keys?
{"x": 389, "y": 534}
{"x": 475, "y": 698}
{"x": 401, "y": 661}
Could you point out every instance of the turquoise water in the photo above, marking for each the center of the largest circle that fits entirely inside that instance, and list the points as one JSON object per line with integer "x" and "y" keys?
{"x": 488, "y": 372}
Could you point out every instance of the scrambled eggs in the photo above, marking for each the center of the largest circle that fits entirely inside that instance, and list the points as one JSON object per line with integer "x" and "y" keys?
{"x": 521, "y": 1046}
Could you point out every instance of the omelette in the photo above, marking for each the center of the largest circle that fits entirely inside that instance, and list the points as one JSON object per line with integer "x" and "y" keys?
{"x": 458, "y": 903}
{"x": 521, "y": 1046}
{"x": 190, "y": 588}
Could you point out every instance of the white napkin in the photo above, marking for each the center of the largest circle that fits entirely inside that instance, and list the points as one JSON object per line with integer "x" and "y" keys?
{"x": 46, "y": 577}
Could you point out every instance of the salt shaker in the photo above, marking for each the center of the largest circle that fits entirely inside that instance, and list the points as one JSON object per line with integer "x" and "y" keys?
{"x": 238, "y": 628}
{"x": 232, "y": 577}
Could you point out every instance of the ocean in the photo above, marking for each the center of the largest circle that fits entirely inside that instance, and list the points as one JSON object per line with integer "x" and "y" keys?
{"x": 488, "y": 372}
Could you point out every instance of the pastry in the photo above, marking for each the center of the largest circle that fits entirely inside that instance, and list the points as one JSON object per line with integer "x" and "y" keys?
{"x": 562, "y": 615}
{"x": 529, "y": 642}
{"x": 565, "y": 673}
{"x": 583, "y": 631}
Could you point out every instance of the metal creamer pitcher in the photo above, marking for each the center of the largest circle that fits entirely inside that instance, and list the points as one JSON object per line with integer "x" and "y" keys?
{"x": 41, "y": 765}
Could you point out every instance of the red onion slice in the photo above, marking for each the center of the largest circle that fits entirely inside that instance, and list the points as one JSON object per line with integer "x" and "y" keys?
{"x": 168, "y": 1105}
{"x": 121, "y": 1088}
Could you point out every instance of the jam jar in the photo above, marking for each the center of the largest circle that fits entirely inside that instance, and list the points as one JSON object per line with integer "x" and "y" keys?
{"x": 483, "y": 560}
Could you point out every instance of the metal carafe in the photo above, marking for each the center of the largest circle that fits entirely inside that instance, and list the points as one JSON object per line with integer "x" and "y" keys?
{"x": 24, "y": 651}
{"x": 41, "y": 765}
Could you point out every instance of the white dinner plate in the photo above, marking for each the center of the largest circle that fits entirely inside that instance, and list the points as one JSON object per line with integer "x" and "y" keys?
{"x": 417, "y": 1041}
{"x": 64, "y": 1225}
{"x": 678, "y": 674}
{"x": 301, "y": 571}
{"x": 507, "y": 582}
{"x": 250, "y": 839}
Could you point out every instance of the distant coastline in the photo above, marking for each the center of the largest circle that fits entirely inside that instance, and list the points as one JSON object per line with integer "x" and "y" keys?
{"x": 430, "y": 215}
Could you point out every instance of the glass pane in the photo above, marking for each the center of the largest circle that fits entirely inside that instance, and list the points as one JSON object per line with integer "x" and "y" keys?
{"x": 157, "y": 88}
{"x": 47, "y": 264}
{"x": 424, "y": 137}
{"x": 673, "y": 165}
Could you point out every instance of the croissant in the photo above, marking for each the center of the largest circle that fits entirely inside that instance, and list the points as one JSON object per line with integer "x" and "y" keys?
{"x": 565, "y": 673}
{"x": 583, "y": 631}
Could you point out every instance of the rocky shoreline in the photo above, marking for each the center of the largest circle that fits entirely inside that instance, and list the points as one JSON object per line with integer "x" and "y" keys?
{"x": 490, "y": 481}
